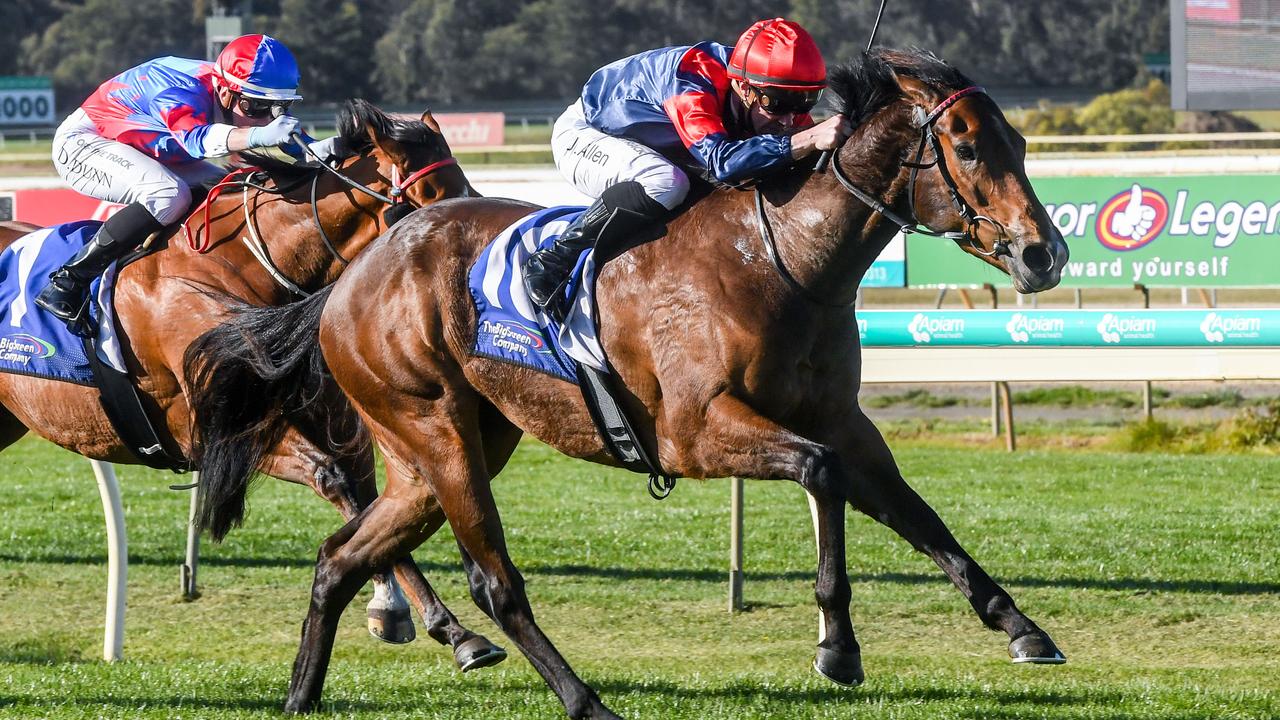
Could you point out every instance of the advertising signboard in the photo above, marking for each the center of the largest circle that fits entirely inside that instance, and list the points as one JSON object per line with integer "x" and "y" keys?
{"x": 1175, "y": 231}
{"x": 26, "y": 102}
{"x": 1070, "y": 328}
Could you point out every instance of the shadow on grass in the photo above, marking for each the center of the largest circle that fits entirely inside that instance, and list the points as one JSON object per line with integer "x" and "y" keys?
{"x": 973, "y": 699}
{"x": 38, "y": 651}
{"x": 660, "y": 692}
{"x": 1206, "y": 585}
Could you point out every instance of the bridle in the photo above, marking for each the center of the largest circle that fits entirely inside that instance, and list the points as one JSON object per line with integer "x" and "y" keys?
{"x": 925, "y": 123}
{"x": 396, "y": 203}
{"x": 398, "y": 206}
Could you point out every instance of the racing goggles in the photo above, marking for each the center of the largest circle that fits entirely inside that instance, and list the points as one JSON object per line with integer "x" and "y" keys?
{"x": 782, "y": 101}
{"x": 262, "y": 107}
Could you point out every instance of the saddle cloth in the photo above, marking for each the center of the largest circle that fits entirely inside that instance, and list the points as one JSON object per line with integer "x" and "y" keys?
{"x": 34, "y": 342}
{"x": 509, "y": 326}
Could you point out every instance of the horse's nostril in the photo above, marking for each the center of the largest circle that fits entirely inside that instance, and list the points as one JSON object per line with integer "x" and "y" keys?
{"x": 1037, "y": 258}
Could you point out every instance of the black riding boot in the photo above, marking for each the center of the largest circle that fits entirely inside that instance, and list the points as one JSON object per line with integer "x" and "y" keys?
{"x": 67, "y": 294}
{"x": 547, "y": 271}
{"x": 622, "y": 209}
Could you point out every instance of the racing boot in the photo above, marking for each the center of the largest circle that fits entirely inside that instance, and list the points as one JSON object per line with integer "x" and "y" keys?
{"x": 67, "y": 294}
{"x": 547, "y": 271}
{"x": 621, "y": 211}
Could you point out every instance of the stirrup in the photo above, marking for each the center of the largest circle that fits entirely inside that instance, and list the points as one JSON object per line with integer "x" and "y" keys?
{"x": 80, "y": 322}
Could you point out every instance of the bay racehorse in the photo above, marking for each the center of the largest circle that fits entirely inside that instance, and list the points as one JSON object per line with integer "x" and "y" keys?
{"x": 733, "y": 334}
{"x": 309, "y": 233}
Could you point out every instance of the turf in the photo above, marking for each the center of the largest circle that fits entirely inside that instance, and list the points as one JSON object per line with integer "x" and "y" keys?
{"x": 1159, "y": 576}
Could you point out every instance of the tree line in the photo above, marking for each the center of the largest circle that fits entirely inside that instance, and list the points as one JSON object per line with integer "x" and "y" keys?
{"x": 455, "y": 52}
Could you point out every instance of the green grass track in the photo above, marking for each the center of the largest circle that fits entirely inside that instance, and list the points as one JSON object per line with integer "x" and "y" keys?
{"x": 1159, "y": 576}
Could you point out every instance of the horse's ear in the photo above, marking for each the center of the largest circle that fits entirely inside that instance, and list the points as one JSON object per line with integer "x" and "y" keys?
{"x": 389, "y": 147}
{"x": 430, "y": 121}
{"x": 919, "y": 93}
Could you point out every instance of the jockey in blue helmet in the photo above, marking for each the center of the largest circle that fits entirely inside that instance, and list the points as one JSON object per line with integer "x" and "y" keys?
{"x": 143, "y": 138}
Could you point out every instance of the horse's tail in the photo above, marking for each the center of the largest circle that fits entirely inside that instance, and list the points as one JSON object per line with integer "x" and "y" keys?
{"x": 247, "y": 376}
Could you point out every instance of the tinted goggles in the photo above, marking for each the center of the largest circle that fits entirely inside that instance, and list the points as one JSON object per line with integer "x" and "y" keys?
{"x": 259, "y": 107}
{"x": 781, "y": 101}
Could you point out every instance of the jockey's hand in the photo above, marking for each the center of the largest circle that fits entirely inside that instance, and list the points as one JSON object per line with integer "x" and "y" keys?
{"x": 276, "y": 132}
{"x": 829, "y": 134}
{"x": 327, "y": 149}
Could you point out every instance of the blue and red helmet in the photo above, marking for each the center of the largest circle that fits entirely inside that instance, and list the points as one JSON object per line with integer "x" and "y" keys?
{"x": 258, "y": 66}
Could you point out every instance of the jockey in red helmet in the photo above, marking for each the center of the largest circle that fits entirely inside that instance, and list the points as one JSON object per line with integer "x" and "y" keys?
{"x": 734, "y": 113}
{"x": 143, "y": 139}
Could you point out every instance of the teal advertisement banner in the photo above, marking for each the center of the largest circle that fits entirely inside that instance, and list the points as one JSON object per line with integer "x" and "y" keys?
{"x": 1175, "y": 231}
{"x": 1070, "y": 328}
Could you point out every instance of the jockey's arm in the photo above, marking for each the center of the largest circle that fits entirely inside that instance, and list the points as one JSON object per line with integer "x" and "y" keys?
{"x": 826, "y": 135}
{"x": 186, "y": 115}
{"x": 698, "y": 121}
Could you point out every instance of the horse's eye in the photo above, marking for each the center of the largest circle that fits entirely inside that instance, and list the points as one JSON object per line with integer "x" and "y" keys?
{"x": 966, "y": 152}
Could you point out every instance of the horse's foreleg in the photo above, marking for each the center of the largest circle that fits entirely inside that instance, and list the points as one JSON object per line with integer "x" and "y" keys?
{"x": 735, "y": 440}
{"x": 459, "y": 478}
{"x": 878, "y": 489}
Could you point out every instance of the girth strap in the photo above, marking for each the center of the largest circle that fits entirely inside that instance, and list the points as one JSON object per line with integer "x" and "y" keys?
{"x": 610, "y": 419}
{"x": 123, "y": 403}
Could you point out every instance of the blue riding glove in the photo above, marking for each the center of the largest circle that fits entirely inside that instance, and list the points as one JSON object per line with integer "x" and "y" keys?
{"x": 277, "y": 132}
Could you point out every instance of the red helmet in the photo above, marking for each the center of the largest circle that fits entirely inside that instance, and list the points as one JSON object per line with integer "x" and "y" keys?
{"x": 778, "y": 53}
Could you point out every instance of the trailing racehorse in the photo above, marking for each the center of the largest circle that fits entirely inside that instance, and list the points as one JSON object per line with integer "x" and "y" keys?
{"x": 734, "y": 336}
{"x": 306, "y": 225}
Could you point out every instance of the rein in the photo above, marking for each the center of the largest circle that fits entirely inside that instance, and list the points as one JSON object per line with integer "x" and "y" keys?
{"x": 925, "y": 124}
{"x": 258, "y": 248}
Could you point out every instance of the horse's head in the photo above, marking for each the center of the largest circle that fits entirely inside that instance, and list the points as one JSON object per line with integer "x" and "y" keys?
{"x": 973, "y": 178}
{"x": 393, "y": 152}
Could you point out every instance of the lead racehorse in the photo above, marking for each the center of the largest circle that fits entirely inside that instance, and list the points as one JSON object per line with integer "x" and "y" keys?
{"x": 734, "y": 335}
{"x": 310, "y": 225}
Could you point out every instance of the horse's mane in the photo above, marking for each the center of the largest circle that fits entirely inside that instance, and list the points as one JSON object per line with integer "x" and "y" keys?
{"x": 354, "y": 117}
{"x": 866, "y": 85}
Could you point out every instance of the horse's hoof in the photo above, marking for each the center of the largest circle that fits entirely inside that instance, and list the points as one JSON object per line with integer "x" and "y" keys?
{"x": 839, "y": 667}
{"x": 393, "y": 626}
{"x": 1036, "y": 647}
{"x": 477, "y": 652}
{"x": 294, "y": 706}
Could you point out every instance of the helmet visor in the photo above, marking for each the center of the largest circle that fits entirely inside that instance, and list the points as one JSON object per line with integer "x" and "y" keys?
{"x": 260, "y": 107}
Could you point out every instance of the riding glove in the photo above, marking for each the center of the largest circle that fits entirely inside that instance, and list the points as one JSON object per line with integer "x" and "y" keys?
{"x": 275, "y": 133}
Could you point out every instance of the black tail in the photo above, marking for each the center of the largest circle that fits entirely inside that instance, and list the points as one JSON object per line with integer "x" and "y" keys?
{"x": 247, "y": 376}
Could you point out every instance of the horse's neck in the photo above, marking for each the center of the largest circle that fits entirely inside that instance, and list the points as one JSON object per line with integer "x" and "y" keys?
{"x": 351, "y": 220}
{"x": 826, "y": 237}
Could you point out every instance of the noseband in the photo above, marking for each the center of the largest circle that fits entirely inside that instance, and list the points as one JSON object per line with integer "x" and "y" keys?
{"x": 928, "y": 137}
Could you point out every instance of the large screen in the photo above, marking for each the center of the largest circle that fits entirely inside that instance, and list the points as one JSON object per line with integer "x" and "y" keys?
{"x": 1225, "y": 54}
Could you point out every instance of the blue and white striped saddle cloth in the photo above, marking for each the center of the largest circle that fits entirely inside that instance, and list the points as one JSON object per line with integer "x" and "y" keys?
{"x": 509, "y": 326}
{"x": 34, "y": 342}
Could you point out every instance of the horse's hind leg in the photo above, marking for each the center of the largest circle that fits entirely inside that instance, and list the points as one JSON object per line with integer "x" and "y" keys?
{"x": 879, "y": 490}
{"x": 457, "y": 470}
{"x": 11, "y": 428}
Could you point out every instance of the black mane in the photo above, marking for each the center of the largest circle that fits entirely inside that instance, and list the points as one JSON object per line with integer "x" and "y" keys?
{"x": 354, "y": 116}
{"x": 866, "y": 85}
{"x": 357, "y": 114}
